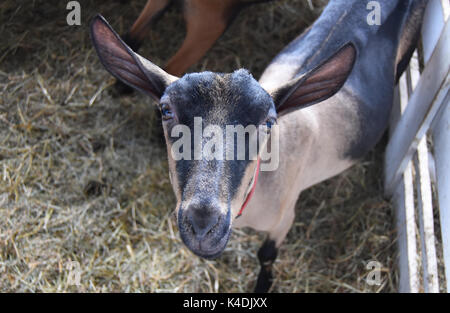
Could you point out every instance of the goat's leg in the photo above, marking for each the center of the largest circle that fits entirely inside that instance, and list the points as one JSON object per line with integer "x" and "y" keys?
{"x": 269, "y": 250}
{"x": 266, "y": 255}
{"x": 206, "y": 20}
{"x": 135, "y": 36}
{"x": 137, "y": 32}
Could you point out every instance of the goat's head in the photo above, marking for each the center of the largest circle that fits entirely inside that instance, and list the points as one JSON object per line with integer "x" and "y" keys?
{"x": 210, "y": 179}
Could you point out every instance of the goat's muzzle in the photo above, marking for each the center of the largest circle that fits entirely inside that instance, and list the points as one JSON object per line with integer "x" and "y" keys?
{"x": 204, "y": 228}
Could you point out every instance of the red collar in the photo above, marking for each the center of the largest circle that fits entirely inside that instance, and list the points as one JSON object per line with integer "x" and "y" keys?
{"x": 250, "y": 194}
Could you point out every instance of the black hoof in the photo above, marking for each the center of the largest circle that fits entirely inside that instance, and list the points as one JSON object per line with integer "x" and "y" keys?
{"x": 266, "y": 255}
{"x": 264, "y": 282}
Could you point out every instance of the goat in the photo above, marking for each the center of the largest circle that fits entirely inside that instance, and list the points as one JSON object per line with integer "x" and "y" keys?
{"x": 206, "y": 20}
{"x": 324, "y": 100}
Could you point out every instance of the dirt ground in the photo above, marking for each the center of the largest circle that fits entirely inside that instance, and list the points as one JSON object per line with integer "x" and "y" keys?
{"x": 85, "y": 199}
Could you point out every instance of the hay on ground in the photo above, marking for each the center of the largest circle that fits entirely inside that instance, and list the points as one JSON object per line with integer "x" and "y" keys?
{"x": 84, "y": 185}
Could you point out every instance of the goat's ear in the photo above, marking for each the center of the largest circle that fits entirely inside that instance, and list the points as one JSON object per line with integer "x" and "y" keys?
{"x": 318, "y": 84}
{"x": 124, "y": 63}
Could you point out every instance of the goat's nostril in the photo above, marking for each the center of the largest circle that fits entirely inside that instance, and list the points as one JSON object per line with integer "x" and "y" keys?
{"x": 202, "y": 222}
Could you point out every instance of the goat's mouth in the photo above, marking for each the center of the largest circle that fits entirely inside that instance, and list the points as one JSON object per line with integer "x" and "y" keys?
{"x": 212, "y": 244}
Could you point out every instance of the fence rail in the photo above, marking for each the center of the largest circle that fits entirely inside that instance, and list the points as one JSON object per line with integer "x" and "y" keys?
{"x": 421, "y": 108}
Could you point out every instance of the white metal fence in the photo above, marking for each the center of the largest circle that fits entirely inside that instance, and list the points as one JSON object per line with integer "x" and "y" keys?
{"x": 416, "y": 174}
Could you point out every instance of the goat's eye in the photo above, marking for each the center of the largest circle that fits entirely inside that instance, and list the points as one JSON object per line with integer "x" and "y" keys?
{"x": 166, "y": 112}
{"x": 269, "y": 123}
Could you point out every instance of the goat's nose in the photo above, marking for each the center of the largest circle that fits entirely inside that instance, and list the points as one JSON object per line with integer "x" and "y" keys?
{"x": 202, "y": 220}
